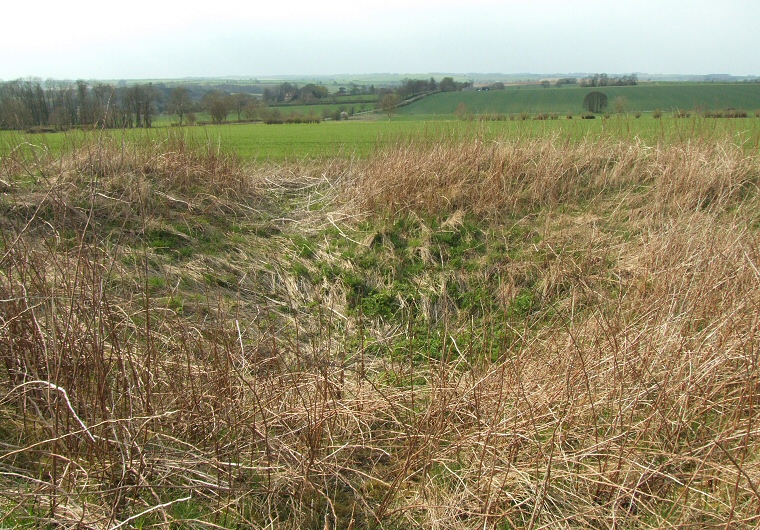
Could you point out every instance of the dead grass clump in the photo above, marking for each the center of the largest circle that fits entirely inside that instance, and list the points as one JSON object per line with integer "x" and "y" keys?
{"x": 478, "y": 177}
{"x": 491, "y": 179}
{"x": 173, "y": 163}
{"x": 697, "y": 175}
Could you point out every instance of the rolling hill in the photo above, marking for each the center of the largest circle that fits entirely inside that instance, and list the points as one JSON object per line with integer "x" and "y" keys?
{"x": 643, "y": 98}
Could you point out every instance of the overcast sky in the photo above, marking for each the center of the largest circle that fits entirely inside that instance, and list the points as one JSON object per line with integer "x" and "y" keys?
{"x": 141, "y": 39}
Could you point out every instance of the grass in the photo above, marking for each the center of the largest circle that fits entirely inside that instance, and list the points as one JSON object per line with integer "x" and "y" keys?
{"x": 360, "y": 139}
{"x": 454, "y": 330}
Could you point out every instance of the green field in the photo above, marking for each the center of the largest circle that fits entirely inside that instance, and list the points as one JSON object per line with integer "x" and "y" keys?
{"x": 530, "y": 99}
{"x": 256, "y": 142}
{"x": 434, "y": 117}
{"x": 641, "y": 98}
{"x": 361, "y": 139}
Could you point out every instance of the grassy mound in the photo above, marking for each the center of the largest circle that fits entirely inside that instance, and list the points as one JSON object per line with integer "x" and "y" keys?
{"x": 454, "y": 334}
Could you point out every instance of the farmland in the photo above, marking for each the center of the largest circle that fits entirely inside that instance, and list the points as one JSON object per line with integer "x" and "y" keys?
{"x": 398, "y": 323}
{"x": 643, "y": 98}
{"x": 358, "y": 138}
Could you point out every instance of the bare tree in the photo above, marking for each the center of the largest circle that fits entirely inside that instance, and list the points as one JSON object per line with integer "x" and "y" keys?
{"x": 239, "y": 102}
{"x": 217, "y": 104}
{"x": 253, "y": 109}
{"x": 137, "y": 105}
{"x": 389, "y": 104}
{"x": 179, "y": 102}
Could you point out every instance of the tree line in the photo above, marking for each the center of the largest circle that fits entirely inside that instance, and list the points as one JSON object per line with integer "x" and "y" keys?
{"x": 29, "y": 103}
{"x": 32, "y": 103}
{"x": 600, "y": 80}
{"x": 312, "y": 92}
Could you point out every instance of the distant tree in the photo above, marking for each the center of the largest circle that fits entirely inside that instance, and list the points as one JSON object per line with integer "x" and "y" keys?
{"x": 83, "y": 102}
{"x": 312, "y": 91}
{"x": 14, "y": 114}
{"x": 253, "y": 110}
{"x": 447, "y": 84}
{"x": 286, "y": 92}
{"x": 412, "y": 87}
{"x": 389, "y": 104}
{"x": 217, "y": 104}
{"x": 32, "y": 95}
{"x": 239, "y": 102}
{"x": 599, "y": 80}
{"x": 272, "y": 116}
{"x": 179, "y": 102}
{"x": 566, "y": 81}
{"x": 545, "y": 83}
{"x": 595, "y": 101}
{"x": 149, "y": 98}
{"x": 137, "y": 104}
{"x": 103, "y": 96}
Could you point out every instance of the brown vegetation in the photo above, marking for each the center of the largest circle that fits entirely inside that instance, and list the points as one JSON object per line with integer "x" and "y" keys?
{"x": 625, "y": 394}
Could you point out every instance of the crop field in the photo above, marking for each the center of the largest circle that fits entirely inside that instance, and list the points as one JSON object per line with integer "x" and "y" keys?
{"x": 643, "y": 98}
{"x": 256, "y": 142}
{"x": 390, "y": 324}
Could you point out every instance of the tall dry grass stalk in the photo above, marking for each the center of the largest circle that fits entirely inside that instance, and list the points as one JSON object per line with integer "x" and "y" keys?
{"x": 493, "y": 178}
{"x": 627, "y": 401}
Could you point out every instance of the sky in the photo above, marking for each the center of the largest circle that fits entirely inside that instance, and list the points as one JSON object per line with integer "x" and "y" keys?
{"x": 157, "y": 39}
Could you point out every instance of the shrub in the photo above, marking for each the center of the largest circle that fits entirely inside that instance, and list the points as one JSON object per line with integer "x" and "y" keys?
{"x": 620, "y": 104}
{"x": 462, "y": 112}
{"x": 727, "y": 113}
{"x": 273, "y": 116}
{"x": 494, "y": 116}
{"x": 736, "y": 113}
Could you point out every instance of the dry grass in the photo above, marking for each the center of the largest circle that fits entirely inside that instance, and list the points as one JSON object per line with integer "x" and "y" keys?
{"x": 626, "y": 400}
{"x": 493, "y": 178}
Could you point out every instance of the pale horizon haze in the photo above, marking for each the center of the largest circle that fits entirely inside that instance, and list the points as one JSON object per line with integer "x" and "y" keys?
{"x": 169, "y": 40}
